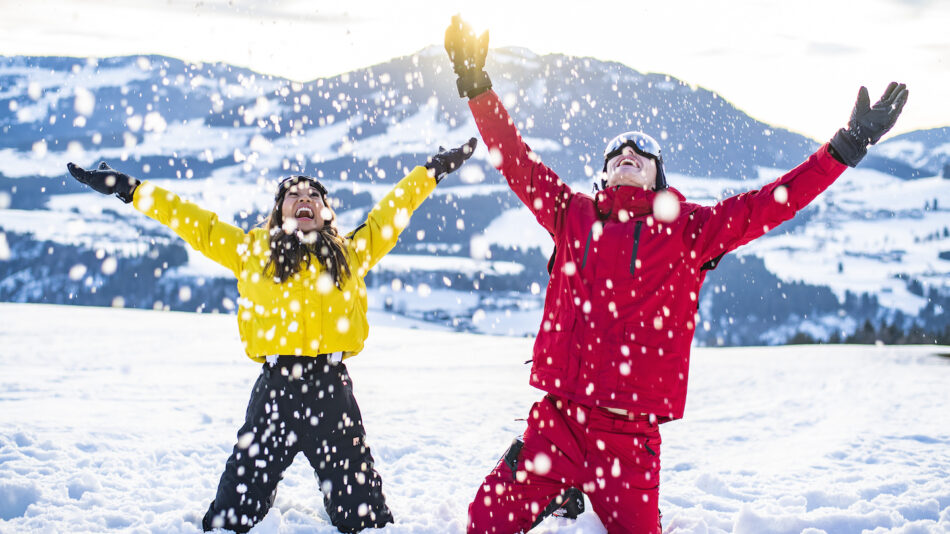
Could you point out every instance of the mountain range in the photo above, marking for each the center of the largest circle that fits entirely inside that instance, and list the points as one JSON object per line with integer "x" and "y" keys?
{"x": 875, "y": 247}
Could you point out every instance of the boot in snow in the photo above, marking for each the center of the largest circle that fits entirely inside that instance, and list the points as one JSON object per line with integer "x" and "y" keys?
{"x": 569, "y": 504}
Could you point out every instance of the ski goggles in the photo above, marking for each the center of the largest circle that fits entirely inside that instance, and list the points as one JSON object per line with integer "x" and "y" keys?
{"x": 642, "y": 143}
{"x": 295, "y": 179}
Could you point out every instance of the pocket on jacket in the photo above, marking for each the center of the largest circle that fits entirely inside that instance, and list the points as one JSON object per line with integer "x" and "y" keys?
{"x": 646, "y": 365}
{"x": 554, "y": 343}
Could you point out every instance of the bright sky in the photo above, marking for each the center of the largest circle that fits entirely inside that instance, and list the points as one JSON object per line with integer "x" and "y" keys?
{"x": 792, "y": 63}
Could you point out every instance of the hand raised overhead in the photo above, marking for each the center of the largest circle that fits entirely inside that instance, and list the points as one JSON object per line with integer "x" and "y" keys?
{"x": 447, "y": 161}
{"x": 467, "y": 53}
{"x": 105, "y": 180}
{"x": 869, "y": 123}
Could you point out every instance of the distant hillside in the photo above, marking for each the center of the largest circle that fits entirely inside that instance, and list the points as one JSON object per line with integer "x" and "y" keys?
{"x": 873, "y": 246}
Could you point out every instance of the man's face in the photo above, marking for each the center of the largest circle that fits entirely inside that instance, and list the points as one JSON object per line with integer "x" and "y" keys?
{"x": 630, "y": 168}
{"x": 304, "y": 205}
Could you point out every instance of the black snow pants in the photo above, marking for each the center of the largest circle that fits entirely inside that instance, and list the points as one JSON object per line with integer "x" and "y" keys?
{"x": 301, "y": 404}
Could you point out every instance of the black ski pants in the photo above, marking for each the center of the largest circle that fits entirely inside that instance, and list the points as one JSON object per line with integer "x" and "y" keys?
{"x": 301, "y": 404}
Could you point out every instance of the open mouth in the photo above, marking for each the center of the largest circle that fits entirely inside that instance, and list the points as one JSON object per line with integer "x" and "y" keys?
{"x": 304, "y": 212}
{"x": 627, "y": 162}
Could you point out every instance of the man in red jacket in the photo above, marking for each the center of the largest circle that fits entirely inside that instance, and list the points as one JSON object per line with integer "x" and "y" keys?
{"x": 620, "y": 311}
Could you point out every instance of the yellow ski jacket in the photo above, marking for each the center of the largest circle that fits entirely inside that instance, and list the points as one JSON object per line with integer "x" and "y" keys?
{"x": 307, "y": 315}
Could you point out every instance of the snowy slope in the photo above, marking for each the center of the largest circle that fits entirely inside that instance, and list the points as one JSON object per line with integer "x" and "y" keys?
{"x": 121, "y": 420}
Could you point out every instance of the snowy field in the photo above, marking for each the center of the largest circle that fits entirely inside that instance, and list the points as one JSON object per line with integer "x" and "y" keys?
{"x": 121, "y": 420}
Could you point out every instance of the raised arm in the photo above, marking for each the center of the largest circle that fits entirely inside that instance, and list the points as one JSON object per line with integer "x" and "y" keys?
{"x": 535, "y": 184}
{"x": 737, "y": 220}
{"x": 742, "y": 218}
{"x": 378, "y": 235}
{"x": 200, "y": 228}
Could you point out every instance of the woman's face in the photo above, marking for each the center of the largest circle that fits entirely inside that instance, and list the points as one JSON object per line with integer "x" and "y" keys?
{"x": 303, "y": 209}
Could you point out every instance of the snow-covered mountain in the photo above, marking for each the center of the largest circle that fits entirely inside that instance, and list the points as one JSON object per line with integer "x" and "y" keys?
{"x": 876, "y": 246}
{"x": 925, "y": 152}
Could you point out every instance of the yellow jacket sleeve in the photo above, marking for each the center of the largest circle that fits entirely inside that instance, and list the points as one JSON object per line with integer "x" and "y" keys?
{"x": 378, "y": 235}
{"x": 224, "y": 243}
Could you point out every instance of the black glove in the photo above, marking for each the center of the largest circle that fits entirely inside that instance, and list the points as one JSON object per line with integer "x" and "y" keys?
{"x": 467, "y": 53}
{"x": 447, "y": 161}
{"x": 868, "y": 123}
{"x": 106, "y": 180}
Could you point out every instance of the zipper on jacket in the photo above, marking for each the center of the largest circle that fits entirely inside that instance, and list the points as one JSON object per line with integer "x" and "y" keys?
{"x": 590, "y": 236}
{"x": 636, "y": 244}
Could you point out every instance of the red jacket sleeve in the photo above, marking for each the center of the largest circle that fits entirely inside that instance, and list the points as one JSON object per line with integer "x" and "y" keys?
{"x": 535, "y": 184}
{"x": 737, "y": 220}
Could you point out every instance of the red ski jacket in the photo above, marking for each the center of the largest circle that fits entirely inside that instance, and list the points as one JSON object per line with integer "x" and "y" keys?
{"x": 621, "y": 305}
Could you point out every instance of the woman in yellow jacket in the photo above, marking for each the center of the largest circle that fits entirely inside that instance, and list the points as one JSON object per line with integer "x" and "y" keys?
{"x": 302, "y": 311}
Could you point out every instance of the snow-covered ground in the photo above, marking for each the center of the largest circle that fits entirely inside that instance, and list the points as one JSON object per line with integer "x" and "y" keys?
{"x": 121, "y": 420}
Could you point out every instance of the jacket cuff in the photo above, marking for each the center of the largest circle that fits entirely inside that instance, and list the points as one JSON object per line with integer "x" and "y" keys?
{"x": 827, "y": 160}
{"x": 483, "y": 100}
{"x": 142, "y": 196}
{"x": 472, "y": 84}
{"x": 421, "y": 181}
{"x": 848, "y": 149}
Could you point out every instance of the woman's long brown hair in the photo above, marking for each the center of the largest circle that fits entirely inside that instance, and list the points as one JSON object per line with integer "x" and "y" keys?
{"x": 288, "y": 252}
